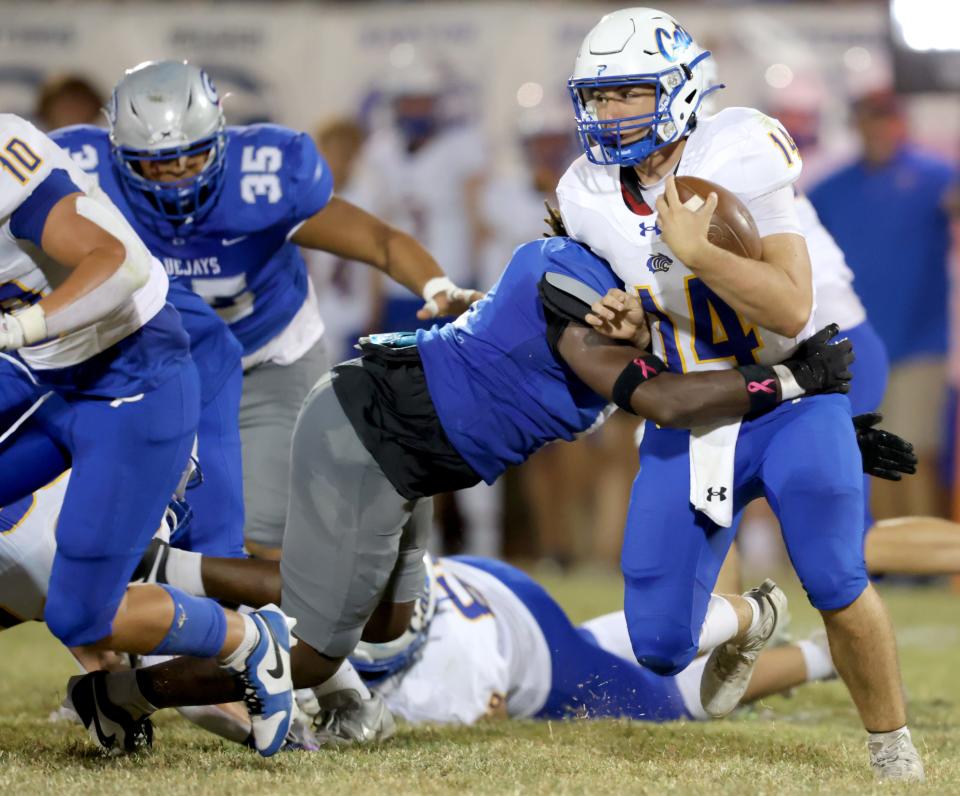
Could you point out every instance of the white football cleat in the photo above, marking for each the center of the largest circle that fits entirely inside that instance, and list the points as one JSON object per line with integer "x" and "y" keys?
{"x": 728, "y": 669}
{"x": 895, "y": 758}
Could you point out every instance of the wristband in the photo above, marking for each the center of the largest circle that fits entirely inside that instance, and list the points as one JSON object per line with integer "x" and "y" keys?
{"x": 632, "y": 376}
{"x": 763, "y": 387}
{"x": 437, "y": 284}
{"x": 33, "y": 321}
{"x": 789, "y": 389}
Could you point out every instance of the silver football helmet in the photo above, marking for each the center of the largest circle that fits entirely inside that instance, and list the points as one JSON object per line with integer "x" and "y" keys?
{"x": 161, "y": 111}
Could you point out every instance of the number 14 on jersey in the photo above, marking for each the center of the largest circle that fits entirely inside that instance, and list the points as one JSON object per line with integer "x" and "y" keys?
{"x": 714, "y": 333}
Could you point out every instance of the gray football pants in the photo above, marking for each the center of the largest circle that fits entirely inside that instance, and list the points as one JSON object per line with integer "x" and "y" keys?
{"x": 351, "y": 540}
{"x": 272, "y": 397}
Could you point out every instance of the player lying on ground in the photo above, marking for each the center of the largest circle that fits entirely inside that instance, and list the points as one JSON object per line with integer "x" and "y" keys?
{"x": 124, "y": 402}
{"x": 469, "y": 399}
{"x": 637, "y": 86}
{"x": 489, "y": 641}
{"x": 227, "y": 209}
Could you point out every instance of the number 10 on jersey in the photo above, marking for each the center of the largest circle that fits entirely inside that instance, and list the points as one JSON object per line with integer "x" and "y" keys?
{"x": 717, "y": 332}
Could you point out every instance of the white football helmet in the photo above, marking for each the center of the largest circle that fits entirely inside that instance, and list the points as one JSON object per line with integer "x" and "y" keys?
{"x": 377, "y": 661}
{"x": 638, "y": 46}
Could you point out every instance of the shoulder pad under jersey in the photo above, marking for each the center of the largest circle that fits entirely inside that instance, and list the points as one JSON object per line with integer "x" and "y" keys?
{"x": 27, "y": 157}
{"x": 743, "y": 150}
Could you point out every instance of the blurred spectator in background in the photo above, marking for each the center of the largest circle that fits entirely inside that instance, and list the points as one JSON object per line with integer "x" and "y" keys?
{"x": 887, "y": 212}
{"x": 424, "y": 174}
{"x": 68, "y": 99}
{"x": 343, "y": 287}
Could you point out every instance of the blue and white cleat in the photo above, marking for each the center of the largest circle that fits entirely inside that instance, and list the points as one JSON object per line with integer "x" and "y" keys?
{"x": 267, "y": 681}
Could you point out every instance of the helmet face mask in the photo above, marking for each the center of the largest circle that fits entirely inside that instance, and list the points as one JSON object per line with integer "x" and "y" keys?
{"x": 610, "y": 134}
{"x": 637, "y": 47}
{"x": 167, "y": 111}
{"x": 174, "y": 201}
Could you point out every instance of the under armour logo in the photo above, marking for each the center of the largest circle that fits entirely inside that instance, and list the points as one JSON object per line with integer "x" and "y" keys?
{"x": 716, "y": 493}
{"x": 644, "y": 229}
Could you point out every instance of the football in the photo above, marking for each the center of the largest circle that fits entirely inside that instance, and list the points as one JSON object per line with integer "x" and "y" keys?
{"x": 732, "y": 227}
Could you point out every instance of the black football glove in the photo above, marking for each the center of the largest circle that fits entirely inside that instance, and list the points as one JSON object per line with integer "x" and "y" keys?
{"x": 819, "y": 366}
{"x": 885, "y": 455}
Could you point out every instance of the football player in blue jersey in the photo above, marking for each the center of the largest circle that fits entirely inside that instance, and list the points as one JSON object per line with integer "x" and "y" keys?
{"x": 83, "y": 305}
{"x": 225, "y": 209}
{"x": 418, "y": 415}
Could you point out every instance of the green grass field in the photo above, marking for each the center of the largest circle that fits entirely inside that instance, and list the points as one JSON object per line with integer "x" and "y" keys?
{"x": 810, "y": 742}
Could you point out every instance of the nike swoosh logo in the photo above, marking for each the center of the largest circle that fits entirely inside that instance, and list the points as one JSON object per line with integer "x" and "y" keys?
{"x": 276, "y": 671}
{"x": 232, "y": 241}
{"x": 106, "y": 741}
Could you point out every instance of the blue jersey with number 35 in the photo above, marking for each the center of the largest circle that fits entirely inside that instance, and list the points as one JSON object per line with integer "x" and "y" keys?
{"x": 239, "y": 257}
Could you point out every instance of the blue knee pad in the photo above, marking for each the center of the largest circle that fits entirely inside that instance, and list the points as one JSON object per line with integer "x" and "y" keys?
{"x": 84, "y": 593}
{"x": 660, "y": 642}
{"x": 198, "y": 629}
{"x": 77, "y": 621}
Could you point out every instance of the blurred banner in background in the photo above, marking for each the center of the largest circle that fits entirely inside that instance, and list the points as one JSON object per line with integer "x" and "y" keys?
{"x": 298, "y": 63}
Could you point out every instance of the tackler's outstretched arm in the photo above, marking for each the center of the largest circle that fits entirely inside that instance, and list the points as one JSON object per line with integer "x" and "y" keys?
{"x": 583, "y": 329}
{"x": 345, "y": 230}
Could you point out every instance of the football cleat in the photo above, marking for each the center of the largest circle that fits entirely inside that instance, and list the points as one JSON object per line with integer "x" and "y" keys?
{"x": 300, "y": 737}
{"x": 267, "y": 681}
{"x": 728, "y": 669}
{"x": 110, "y": 726}
{"x": 895, "y": 758}
{"x": 346, "y": 718}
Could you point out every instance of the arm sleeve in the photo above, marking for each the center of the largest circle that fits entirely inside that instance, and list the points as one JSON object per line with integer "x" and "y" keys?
{"x": 776, "y": 212}
{"x": 28, "y": 220}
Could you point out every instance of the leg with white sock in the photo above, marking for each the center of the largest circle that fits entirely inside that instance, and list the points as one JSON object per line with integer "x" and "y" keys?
{"x": 818, "y": 498}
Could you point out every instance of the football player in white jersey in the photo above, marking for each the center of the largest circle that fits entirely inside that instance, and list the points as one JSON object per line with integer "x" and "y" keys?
{"x": 491, "y": 642}
{"x": 104, "y": 341}
{"x": 637, "y": 88}
{"x": 906, "y": 545}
